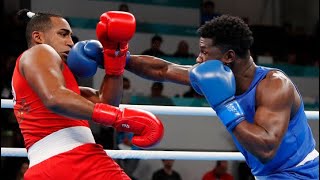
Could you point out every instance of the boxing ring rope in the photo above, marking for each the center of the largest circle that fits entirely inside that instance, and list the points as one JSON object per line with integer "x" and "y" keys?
{"x": 171, "y": 110}
{"x": 146, "y": 154}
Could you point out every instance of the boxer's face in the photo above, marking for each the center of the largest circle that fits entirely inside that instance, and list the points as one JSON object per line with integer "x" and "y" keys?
{"x": 209, "y": 51}
{"x": 59, "y": 37}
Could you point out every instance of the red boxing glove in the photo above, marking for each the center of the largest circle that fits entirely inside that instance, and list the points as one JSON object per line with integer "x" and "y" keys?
{"x": 147, "y": 128}
{"x": 114, "y": 31}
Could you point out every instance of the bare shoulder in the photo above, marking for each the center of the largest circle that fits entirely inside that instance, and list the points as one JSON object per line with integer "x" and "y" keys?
{"x": 41, "y": 56}
{"x": 39, "y": 52}
{"x": 275, "y": 80}
{"x": 275, "y": 87}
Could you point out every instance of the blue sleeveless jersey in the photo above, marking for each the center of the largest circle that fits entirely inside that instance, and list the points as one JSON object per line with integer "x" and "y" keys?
{"x": 296, "y": 143}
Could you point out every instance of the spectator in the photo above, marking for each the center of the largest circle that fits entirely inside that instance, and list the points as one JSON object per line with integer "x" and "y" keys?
{"x": 244, "y": 172}
{"x": 124, "y": 7}
{"x": 157, "y": 97}
{"x": 219, "y": 172}
{"x": 155, "y": 49}
{"x": 191, "y": 93}
{"x": 183, "y": 50}
{"x": 208, "y": 11}
{"x": 167, "y": 172}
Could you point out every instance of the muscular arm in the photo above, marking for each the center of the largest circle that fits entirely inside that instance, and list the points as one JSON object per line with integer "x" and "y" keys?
{"x": 274, "y": 100}
{"x": 110, "y": 91}
{"x": 42, "y": 68}
{"x": 148, "y": 67}
{"x": 158, "y": 69}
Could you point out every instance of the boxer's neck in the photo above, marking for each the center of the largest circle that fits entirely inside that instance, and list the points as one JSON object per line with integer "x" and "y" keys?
{"x": 244, "y": 73}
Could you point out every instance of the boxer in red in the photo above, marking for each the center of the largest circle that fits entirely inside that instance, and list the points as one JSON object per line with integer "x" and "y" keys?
{"x": 53, "y": 112}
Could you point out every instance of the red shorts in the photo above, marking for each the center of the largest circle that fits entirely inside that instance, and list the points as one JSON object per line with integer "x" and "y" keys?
{"x": 88, "y": 161}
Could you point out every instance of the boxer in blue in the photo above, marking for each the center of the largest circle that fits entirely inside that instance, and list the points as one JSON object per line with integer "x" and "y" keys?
{"x": 260, "y": 107}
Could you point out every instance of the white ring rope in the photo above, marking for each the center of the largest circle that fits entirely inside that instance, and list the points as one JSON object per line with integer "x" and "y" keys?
{"x": 172, "y": 110}
{"x": 146, "y": 154}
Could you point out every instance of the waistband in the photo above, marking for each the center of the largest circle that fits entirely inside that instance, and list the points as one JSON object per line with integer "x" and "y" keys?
{"x": 59, "y": 142}
{"x": 311, "y": 156}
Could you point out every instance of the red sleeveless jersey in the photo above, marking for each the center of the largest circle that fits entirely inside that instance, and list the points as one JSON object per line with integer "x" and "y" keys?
{"x": 35, "y": 120}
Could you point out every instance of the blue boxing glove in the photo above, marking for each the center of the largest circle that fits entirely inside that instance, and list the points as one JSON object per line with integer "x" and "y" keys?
{"x": 84, "y": 58}
{"x": 216, "y": 81}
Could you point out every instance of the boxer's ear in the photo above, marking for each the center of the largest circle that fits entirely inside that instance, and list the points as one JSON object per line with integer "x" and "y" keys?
{"x": 229, "y": 57}
{"x": 38, "y": 37}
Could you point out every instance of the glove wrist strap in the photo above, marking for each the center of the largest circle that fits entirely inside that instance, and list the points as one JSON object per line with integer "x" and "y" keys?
{"x": 230, "y": 113}
{"x": 114, "y": 65}
{"x": 105, "y": 114}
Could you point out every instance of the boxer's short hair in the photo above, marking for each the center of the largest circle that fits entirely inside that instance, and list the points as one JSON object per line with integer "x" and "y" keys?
{"x": 228, "y": 32}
